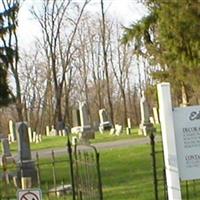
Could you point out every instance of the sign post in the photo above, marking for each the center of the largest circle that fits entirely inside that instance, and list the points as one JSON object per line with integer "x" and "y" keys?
{"x": 169, "y": 145}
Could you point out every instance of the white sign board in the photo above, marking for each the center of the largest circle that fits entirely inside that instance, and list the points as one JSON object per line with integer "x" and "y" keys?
{"x": 187, "y": 134}
{"x": 29, "y": 194}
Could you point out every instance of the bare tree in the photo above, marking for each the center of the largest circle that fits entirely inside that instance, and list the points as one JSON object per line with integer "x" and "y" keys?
{"x": 54, "y": 19}
{"x": 106, "y": 62}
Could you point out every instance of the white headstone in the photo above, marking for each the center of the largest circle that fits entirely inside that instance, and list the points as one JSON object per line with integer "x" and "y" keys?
{"x": 118, "y": 129}
{"x": 34, "y": 136}
{"x": 47, "y": 131}
{"x": 156, "y": 115}
{"x": 30, "y": 134}
{"x": 12, "y": 131}
{"x": 168, "y": 135}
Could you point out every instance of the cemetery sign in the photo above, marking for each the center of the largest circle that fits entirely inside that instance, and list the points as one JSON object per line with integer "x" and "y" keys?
{"x": 187, "y": 134}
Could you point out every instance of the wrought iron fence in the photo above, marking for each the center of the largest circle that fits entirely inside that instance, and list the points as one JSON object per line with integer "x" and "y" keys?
{"x": 73, "y": 176}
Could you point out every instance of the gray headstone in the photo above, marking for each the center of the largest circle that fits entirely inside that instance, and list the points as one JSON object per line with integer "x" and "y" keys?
{"x": 84, "y": 115}
{"x": 103, "y": 116}
{"x": 23, "y": 141}
{"x": 5, "y": 147}
{"x": 76, "y": 118}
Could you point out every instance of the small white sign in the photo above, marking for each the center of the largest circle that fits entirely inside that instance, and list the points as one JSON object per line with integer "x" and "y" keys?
{"x": 187, "y": 133}
{"x": 29, "y": 194}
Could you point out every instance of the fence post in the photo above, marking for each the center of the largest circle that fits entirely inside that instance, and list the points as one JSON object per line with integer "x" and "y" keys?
{"x": 71, "y": 167}
{"x": 99, "y": 176}
{"x": 38, "y": 169}
{"x": 153, "y": 154}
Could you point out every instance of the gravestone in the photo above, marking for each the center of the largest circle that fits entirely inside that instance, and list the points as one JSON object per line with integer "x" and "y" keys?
{"x": 156, "y": 115}
{"x": 105, "y": 124}
{"x": 86, "y": 131}
{"x": 25, "y": 165}
{"x": 145, "y": 124}
{"x": 118, "y": 129}
{"x": 128, "y": 129}
{"x": 53, "y": 131}
{"x": 5, "y": 147}
{"x": 47, "y": 131}
{"x": 34, "y": 137}
{"x": 30, "y": 134}
{"x": 12, "y": 131}
{"x": 76, "y": 121}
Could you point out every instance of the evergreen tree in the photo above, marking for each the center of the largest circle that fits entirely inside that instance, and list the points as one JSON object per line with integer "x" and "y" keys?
{"x": 169, "y": 37}
{"x": 6, "y": 53}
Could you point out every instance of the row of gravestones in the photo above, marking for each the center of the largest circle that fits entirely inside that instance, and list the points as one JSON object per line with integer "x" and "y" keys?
{"x": 25, "y": 166}
{"x": 33, "y": 136}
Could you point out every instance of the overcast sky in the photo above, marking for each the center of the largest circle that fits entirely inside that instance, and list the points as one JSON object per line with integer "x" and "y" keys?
{"x": 126, "y": 11}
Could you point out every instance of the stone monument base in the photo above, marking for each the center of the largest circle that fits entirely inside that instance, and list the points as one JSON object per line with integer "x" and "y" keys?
{"x": 27, "y": 169}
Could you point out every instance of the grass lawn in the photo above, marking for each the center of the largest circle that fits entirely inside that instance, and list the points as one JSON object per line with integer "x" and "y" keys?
{"x": 53, "y": 142}
{"x": 126, "y": 173}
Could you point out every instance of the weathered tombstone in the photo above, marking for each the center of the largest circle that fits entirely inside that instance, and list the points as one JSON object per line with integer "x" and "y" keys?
{"x": 145, "y": 124}
{"x": 60, "y": 125}
{"x": 76, "y": 121}
{"x": 128, "y": 129}
{"x": 12, "y": 131}
{"x": 25, "y": 165}
{"x": 34, "y": 136}
{"x": 5, "y": 147}
{"x": 151, "y": 119}
{"x": 156, "y": 115}
{"x": 40, "y": 138}
{"x": 53, "y": 131}
{"x": 47, "y": 131}
{"x": 112, "y": 131}
{"x": 30, "y": 134}
{"x": 37, "y": 139}
{"x": 86, "y": 131}
{"x": 118, "y": 129}
{"x": 105, "y": 124}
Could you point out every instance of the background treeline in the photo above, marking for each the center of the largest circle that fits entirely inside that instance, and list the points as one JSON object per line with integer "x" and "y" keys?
{"x": 83, "y": 56}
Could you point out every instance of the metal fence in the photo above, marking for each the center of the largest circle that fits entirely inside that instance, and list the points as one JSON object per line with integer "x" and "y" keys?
{"x": 190, "y": 190}
{"x": 73, "y": 176}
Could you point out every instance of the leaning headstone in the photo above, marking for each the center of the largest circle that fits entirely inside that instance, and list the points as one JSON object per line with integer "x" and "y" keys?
{"x": 156, "y": 115}
{"x": 145, "y": 124}
{"x": 30, "y": 134}
{"x": 12, "y": 131}
{"x": 25, "y": 165}
{"x": 105, "y": 124}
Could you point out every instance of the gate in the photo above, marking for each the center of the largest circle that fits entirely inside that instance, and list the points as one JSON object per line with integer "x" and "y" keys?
{"x": 75, "y": 175}
{"x": 85, "y": 171}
